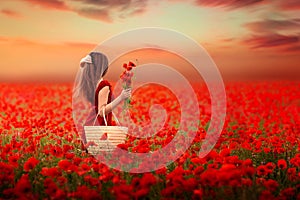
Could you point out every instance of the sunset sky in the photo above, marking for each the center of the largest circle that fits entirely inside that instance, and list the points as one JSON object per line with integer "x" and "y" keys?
{"x": 45, "y": 39}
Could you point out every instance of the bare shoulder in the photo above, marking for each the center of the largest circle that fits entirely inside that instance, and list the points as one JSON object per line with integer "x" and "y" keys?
{"x": 104, "y": 90}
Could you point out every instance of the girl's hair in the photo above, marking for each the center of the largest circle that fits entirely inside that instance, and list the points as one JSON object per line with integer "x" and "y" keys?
{"x": 92, "y": 73}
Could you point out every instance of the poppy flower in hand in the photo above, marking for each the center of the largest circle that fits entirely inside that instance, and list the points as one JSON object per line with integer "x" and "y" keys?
{"x": 126, "y": 76}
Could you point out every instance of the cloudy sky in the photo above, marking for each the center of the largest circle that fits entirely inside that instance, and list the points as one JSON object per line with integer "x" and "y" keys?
{"x": 256, "y": 39}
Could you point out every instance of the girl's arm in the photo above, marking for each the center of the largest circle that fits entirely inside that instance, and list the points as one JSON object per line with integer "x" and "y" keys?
{"x": 103, "y": 97}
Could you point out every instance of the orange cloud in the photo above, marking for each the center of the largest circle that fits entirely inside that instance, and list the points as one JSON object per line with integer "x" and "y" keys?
{"x": 22, "y": 42}
{"x": 83, "y": 45}
{"x": 53, "y": 4}
{"x": 23, "y": 59}
{"x": 17, "y": 41}
{"x": 11, "y": 13}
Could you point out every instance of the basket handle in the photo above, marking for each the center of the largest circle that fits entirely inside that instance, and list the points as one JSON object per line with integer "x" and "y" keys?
{"x": 104, "y": 117}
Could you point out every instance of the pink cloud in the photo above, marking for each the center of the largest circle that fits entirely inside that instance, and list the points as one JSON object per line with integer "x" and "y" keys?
{"x": 110, "y": 3}
{"x": 272, "y": 40}
{"x": 91, "y": 12}
{"x": 228, "y": 3}
{"x": 95, "y": 13}
{"x": 138, "y": 11}
{"x": 267, "y": 33}
{"x": 271, "y": 25}
{"x": 294, "y": 48}
{"x": 289, "y": 4}
{"x": 228, "y": 40}
{"x": 104, "y": 10}
{"x": 123, "y": 9}
{"x": 11, "y": 13}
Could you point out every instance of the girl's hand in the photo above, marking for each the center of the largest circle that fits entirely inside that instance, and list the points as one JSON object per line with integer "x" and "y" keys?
{"x": 125, "y": 94}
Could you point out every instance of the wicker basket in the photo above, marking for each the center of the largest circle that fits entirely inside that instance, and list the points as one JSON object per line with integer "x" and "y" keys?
{"x": 115, "y": 135}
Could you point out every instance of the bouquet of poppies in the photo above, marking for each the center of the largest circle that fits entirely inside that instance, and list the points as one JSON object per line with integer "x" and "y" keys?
{"x": 126, "y": 76}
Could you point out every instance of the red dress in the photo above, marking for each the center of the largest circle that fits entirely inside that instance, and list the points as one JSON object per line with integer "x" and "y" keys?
{"x": 92, "y": 116}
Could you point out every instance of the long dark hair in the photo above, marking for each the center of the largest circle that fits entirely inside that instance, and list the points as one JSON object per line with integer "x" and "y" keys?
{"x": 92, "y": 73}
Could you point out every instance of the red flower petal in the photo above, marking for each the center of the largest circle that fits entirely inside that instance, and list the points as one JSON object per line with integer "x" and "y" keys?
{"x": 131, "y": 64}
{"x": 104, "y": 136}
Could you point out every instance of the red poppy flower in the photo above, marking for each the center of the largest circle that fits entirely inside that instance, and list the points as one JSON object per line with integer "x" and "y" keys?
{"x": 227, "y": 167}
{"x": 131, "y": 64}
{"x": 140, "y": 193}
{"x": 292, "y": 173}
{"x": 77, "y": 160}
{"x": 50, "y": 187}
{"x": 147, "y": 180}
{"x": 122, "y": 75}
{"x": 123, "y": 191}
{"x": 287, "y": 192}
{"x": 52, "y": 172}
{"x": 271, "y": 185}
{"x": 266, "y": 194}
{"x": 56, "y": 151}
{"x": 282, "y": 164}
{"x": 30, "y": 164}
{"x": 190, "y": 184}
{"x": 247, "y": 182}
{"x": 23, "y": 186}
{"x": 247, "y": 162}
{"x": 270, "y": 167}
{"x": 129, "y": 68}
{"x": 64, "y": 164}
{"x": 209, "y": 178}
{"x": 198, "y": 170}
{"x": 85, "y": 168}
{"x": 296, "y": 160}
{"x": 61, "y": 180}
{"x": 9, "y": 193}
{"x": 13, "y": 160}
{"x": 197, "y": 194}
{"x": 69, "y": 155}
{"x": 267, "y": 150}
{"x": 91, "y": 180}
{"x": 225, "y": 152}
{"x": 262, "y": 170}
{"x": 248, "y": 171}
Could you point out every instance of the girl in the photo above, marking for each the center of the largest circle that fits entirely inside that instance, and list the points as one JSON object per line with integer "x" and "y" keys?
{"x": 98, "y": 91}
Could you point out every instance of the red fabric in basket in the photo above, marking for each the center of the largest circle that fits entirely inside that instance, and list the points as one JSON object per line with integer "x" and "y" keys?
{"x": 92, "y": 115}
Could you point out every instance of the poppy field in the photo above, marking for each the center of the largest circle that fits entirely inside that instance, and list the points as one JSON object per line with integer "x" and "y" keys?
{"x": 256, "y": 157}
